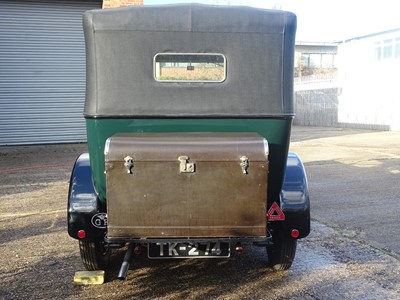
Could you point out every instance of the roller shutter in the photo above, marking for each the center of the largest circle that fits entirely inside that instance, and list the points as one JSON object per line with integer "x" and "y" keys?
{"x": 42, "y": 71}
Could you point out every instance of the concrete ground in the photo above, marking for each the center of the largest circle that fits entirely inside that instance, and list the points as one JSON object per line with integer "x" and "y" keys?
{"x": 354, "y": 180}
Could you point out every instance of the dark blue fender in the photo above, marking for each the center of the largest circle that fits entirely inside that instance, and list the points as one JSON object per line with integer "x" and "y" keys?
{"x": 85, "y": 211}
{"x": 294, "y": 198}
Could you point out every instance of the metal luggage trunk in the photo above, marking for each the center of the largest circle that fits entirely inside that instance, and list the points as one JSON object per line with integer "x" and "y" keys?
{"x": 181, "y": 185}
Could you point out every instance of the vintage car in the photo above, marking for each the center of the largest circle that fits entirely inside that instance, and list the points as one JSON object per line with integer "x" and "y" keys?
{"x": 188, "y": 111}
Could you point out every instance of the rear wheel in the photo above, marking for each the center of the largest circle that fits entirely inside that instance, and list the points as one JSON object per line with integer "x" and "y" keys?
{"x": 281, "y": 254}
{"x": 94, "y": 254}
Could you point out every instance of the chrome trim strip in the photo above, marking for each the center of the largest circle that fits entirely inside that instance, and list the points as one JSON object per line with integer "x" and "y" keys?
{"x": 266, "y": 148}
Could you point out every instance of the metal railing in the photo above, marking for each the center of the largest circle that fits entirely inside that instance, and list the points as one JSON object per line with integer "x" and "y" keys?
{"x": 316, "y": 82}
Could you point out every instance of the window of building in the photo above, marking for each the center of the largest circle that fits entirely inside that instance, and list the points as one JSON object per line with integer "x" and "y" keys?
{"x": 315, "y": 61}
{"x": 305, "y": 60}
{"x": 327, "y": 61}
{"x": 397, "y": 48}
{"x": 378, "y": 51}
{"x": 387, "y": 49}
{"x": 318, "y": 60}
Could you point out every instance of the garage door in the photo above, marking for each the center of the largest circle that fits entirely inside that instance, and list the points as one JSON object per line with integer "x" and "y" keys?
{"x": 42, "y": 71}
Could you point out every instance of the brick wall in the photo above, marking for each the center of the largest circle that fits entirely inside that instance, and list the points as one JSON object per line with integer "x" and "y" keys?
{"x": 119, "y": 3}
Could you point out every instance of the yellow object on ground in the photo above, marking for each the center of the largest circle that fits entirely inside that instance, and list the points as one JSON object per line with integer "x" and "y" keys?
{"x": 89, "y": 277}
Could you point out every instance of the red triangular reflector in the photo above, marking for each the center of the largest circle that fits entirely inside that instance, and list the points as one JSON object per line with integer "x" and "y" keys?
{"x": 275, "y": 213}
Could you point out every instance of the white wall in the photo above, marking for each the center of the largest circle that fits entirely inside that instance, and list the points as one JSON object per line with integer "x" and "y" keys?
{"x": 370, "y": 88}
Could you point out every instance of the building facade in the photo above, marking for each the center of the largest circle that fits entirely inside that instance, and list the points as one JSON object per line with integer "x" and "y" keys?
{"x": 369, "y": 71}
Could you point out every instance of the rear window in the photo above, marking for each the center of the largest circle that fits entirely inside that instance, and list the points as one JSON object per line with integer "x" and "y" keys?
{"x": 189, "y": 67}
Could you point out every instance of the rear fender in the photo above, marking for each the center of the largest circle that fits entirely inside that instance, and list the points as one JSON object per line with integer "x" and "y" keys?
{"x": 85, "y": 211}
{"x": 294, "y": 198}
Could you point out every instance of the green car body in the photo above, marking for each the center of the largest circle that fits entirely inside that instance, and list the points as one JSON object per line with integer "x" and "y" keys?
{"x": 276, "y": 131}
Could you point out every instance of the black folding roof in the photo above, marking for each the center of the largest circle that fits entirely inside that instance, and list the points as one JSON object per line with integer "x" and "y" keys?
{"x": 121, "y": 45}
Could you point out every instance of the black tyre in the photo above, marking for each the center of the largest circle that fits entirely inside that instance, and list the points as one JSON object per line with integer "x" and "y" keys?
{"x": 94, "y": 255}
{"x": 281, "y": 254}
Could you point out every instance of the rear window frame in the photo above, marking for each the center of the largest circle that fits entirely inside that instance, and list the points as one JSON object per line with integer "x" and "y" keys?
{"x": 189, "y": 81}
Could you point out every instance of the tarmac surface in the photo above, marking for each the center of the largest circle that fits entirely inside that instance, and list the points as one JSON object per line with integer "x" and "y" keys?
{"x": 352, "y": 252}
{"x": 354, "y": 179}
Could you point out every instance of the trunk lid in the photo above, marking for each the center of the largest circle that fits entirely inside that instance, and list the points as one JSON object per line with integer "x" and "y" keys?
{"x": 175, "y": 185}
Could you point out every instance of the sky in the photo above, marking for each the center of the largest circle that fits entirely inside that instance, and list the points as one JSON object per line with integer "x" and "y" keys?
{"x": 325, "y": 20}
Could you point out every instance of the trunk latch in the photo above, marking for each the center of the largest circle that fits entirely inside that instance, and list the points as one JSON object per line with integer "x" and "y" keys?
{"x": 128, "y": 164}
{"x": 244, "y": 164}
{"x": 185, "y": 166}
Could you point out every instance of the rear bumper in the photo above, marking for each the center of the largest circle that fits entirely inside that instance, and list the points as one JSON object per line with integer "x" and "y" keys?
{"x": 259, "y": 241}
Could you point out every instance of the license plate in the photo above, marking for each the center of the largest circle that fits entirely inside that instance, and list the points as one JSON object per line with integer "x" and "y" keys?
{"x": 189, "y": 250}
